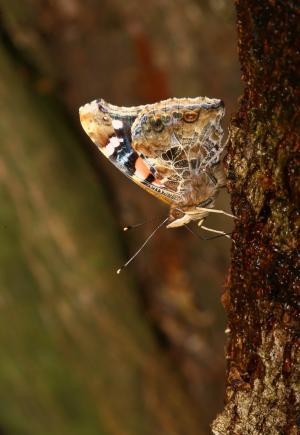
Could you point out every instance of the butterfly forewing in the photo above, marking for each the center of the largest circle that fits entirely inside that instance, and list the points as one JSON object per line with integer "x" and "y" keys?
{"x": 171, "y": 148}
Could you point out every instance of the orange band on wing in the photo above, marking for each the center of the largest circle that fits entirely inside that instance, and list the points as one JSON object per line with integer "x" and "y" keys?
{"x": 141, "y": 169}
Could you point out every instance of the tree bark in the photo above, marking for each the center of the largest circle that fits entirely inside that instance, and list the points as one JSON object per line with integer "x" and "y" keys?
{"x": 262, "y": 292}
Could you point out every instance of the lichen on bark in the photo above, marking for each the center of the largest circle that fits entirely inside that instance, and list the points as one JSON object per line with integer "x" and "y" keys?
{"x": 262, "y": 292}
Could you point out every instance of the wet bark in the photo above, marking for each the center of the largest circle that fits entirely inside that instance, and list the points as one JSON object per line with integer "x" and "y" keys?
{"x": 262, "y": 293}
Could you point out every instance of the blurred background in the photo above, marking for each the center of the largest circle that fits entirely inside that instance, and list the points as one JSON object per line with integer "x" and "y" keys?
{"x": 83, "y": 350}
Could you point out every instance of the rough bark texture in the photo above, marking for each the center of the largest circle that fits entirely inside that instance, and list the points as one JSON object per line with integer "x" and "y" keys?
{"x": 262, "y": 294}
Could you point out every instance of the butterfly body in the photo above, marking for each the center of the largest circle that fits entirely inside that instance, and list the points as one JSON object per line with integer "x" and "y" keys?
{"x": 172, "y": 149}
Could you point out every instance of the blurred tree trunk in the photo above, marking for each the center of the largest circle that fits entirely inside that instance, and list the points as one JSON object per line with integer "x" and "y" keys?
{"x": 262, "y": 293}
{"x": 77, "y": 354}
{"x": 127, "y": 55}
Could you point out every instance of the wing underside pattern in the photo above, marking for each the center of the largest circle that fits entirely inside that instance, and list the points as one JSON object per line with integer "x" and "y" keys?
{"x": 163, "y": 147}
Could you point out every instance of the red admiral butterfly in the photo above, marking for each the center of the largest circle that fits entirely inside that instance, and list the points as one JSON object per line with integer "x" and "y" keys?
{"x": 172, "y": 149}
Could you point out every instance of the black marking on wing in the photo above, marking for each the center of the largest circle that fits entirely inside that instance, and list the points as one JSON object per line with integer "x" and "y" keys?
{"x": 150, "y": 178}
{"x": 123, "y": 156}
{"x": 124, "y": 160}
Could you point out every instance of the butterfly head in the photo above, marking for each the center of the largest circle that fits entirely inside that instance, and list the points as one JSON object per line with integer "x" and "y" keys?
{"x": 197, "y": 199}
{"x": 179, "y": 217}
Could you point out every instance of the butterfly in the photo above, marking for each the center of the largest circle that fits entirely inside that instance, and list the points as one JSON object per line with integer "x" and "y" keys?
{"x": 172, "y": 149}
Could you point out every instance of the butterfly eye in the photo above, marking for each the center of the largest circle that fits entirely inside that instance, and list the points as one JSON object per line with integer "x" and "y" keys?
{"x": 156, "y": 124}
{"x": 190, "y": 116}
{"x": 176, "y": 214}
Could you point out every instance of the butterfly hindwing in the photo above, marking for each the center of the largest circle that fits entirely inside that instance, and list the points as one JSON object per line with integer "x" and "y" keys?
{"x": 180, "y": 138}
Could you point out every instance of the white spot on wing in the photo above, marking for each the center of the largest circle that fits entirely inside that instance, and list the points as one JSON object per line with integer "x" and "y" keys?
{"x": 117, "y": 124}
{"x": 112, "y": 144}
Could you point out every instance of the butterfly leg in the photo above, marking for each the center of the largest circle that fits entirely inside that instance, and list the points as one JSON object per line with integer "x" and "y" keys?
{"x": 215, "y": 231}
{"x": 206, "y": 238}
{"x": 213, "y": 210}
{"x": 200, "y": 222}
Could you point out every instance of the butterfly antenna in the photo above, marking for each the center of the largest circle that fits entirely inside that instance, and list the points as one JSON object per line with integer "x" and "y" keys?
{"x": 205, "y": 238}
{"x": 143, "y": 245}
{"x": 131, "y": 227}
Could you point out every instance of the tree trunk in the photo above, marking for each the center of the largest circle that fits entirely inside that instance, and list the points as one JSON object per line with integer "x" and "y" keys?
{"x": 262, "y": 293}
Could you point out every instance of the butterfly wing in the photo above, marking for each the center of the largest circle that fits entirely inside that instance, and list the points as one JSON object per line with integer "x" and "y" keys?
{"x": 162, "y": 147}
{"x": 109, "y": 127}
{"x": 181, "y": 139}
